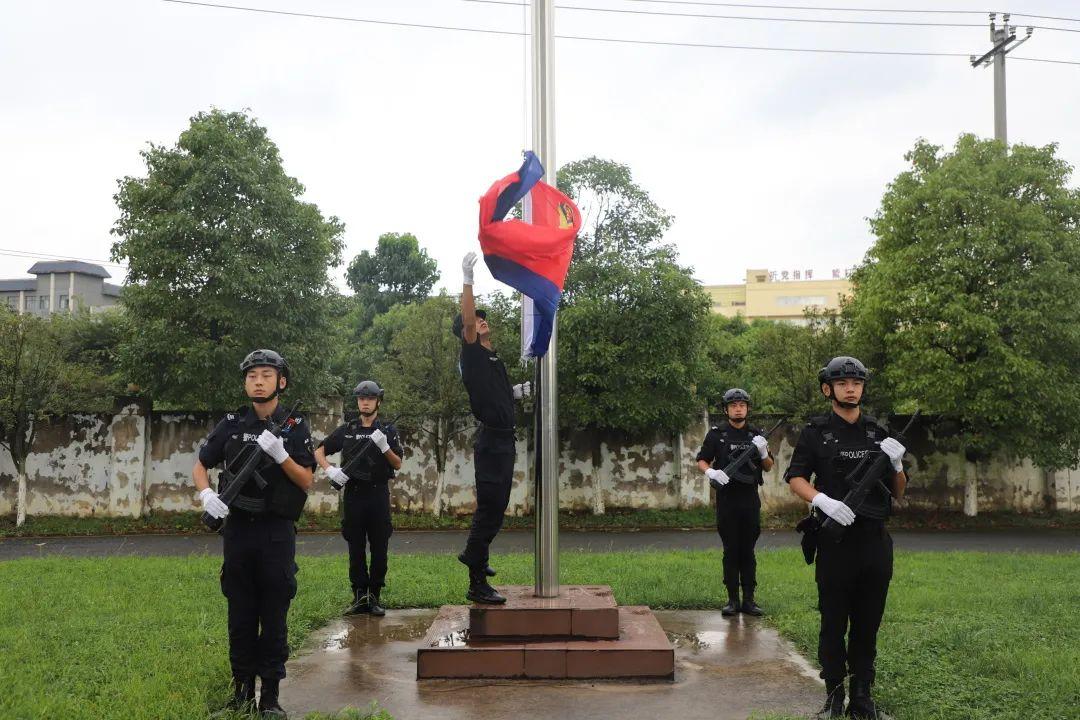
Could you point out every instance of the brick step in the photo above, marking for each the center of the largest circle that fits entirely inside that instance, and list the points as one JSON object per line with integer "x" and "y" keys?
{"x": 642, "y": 651}
{"x": 579, "y": 612}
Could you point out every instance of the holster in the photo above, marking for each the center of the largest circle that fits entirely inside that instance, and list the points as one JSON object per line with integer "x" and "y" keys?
{"x": 808, "y": 526}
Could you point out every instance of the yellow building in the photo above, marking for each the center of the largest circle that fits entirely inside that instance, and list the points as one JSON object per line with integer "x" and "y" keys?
{"x": 780, "y": 295}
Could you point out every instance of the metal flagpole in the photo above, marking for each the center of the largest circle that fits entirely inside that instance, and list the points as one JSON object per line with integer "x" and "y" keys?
{"x": 547, "y": 411}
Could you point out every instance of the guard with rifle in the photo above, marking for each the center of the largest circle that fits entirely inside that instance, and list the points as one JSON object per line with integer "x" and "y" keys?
{"x": 370, "y": 454}
{"x": 857, "y": 471}
{"x": 267, "y": 452}
{"x": 733, "y": 457}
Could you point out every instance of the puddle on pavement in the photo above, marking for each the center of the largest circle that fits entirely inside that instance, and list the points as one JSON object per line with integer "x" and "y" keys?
{"x": 367, "y": 630}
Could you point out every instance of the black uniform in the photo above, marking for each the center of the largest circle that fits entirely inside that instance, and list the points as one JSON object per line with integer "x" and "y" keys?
{"x": 738, "y": 507}
{"x": 492, "y": 401}
{"x": 853, "y": 574}
{"x": 366, "y": 515}
{"x": 258, "y": 576}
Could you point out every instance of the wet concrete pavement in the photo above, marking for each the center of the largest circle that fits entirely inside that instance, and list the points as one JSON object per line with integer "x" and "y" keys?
{"x": 1002, "y": 540}
{"x": 724, "y": 668}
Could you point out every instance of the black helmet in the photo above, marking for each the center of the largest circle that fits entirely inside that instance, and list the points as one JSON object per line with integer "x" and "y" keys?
{"x": 459, "y": 323}
{"x": 841, "y": 367}
{"x": 733, "y": 395}
{"x": 265, "y": 358}
{"x": 368, "y": 389}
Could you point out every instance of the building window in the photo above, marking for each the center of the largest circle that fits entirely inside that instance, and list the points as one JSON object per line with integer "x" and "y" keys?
{"x": 43, "y": 302}
{"x": 63, "y": 302}
{"x": 802, "y": 300}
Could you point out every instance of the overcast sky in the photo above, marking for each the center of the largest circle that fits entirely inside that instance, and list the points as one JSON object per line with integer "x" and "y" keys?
{"x": 766, "y": 159}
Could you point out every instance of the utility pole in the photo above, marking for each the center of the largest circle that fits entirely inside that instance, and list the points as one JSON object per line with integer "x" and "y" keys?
{"x": 1004, "y": 42}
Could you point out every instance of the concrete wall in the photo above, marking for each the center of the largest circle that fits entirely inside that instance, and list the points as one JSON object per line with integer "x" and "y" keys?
{"x": 130, "y": 462}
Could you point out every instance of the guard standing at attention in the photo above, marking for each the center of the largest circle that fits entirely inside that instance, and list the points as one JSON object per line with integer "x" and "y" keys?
{"x": 738, "y": 506}
{"x": 853, "y": 574}
{"x": 258, "y": 575}
{"x": 370, "y": 454}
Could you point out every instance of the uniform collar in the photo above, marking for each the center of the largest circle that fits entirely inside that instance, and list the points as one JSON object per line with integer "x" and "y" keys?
{"x": 838, "y": 421}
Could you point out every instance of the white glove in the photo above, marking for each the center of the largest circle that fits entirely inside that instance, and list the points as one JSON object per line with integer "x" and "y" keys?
{"x": 717, "y": 476}
{"x": 212, "y": 504}
{"x": 523, "y": 390}
{"x": 835, "y": 509}
{"x": 895, "y": 451}
{"x": 379, "y": 438}
{"x": 761, "y": 444}
{"x": 273, "y": 446}
{"x": 467, "y": 268}
{"x": 337, "y": 476}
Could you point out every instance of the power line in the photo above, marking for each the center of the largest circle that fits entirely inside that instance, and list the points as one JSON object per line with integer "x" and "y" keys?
{"x": 770, "y": 6}
{"x": 659, "y": 13}
{"x": 345, "y": 19}
{"x": 627, "y": 41}
{"x": 49, "y": 256}
{"x": 755, "y": 18}
{"x": 767, "y": 6}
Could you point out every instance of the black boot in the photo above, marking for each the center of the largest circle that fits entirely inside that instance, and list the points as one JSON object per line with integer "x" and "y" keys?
{"x": 268, "y": 701}
{"x": 376, "y": 609}
{"x": 732, "y": 607}
{"x": 834, "y": 701}
{"x": 749, "y": 607}
{"x": 361, "y": 603}
{"x": 243, "y": 699}
{"x": 861, "y": 704}
{"x": 487, "y": 568}
{"x": 480, "y": 591}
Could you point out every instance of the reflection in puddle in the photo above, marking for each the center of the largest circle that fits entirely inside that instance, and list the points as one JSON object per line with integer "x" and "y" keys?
{"x": 367, "y": 630}
{"x": 697, "y": 641}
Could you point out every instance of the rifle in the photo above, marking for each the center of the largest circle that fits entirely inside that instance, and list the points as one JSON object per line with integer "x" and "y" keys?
{"x": 862, "y": 482}
{"x": 735, "y": 465}
{"x": 368, "y": 444}
{"x": 236, "y": 481}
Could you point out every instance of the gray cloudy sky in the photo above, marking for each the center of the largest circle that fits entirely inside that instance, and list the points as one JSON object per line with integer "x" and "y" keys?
{"x": 765, "y": 159}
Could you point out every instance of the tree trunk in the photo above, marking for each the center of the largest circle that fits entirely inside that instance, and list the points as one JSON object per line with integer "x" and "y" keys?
{"x": 971, "y": 488}
{"x": 597, "y": 482}
{"x": 440, "y": 465}
{"x": 20, "y": 502}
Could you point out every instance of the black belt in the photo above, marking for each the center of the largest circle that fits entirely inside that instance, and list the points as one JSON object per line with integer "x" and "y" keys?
{"x": 256, "y": 506}
{"x": 503, "y": 432}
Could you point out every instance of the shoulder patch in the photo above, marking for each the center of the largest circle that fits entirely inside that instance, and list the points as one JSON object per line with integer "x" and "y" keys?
{"x": 231, "y": 417}
{"x": 715, "y": 427}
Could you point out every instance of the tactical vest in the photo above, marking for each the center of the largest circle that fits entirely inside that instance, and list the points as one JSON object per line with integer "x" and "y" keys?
{"x": 841, "y": 459}
{"x": 750, "y": 473}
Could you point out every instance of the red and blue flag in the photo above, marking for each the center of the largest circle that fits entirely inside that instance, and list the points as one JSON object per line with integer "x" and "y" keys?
{"x": 530, "y": 257}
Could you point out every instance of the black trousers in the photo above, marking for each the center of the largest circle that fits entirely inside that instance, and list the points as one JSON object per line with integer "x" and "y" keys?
{"x": 494, "y": 477}
{"x": 853, "y": 583}
{"x": 738, "y": 520}
{"x": 258, "y": 578}
{"x": 366, "y": 522}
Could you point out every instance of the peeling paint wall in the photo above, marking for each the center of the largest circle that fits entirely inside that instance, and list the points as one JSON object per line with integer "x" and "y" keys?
{"x": 132, "y": 462}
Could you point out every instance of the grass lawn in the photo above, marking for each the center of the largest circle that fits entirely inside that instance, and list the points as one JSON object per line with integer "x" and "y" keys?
{"x": 704, "y": 517}
{"x": 966, "y": 635}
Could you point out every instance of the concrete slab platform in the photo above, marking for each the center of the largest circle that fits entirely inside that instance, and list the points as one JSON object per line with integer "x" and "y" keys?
{"x": 579, "y": 611}
{"x": 640, "y": 650}
{"x": 725, "y": 669}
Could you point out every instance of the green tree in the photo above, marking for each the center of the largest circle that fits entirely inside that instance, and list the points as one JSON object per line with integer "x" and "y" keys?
{"x": 967, "y": 302}
{"x": 785, "y": 359}
{"x": 38, "y": 381}
{"x": 727, "y": 359}
{"x": 398, "y": 271}
{"x": 223, "y": 257}
{"x": 633, "y": 322}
